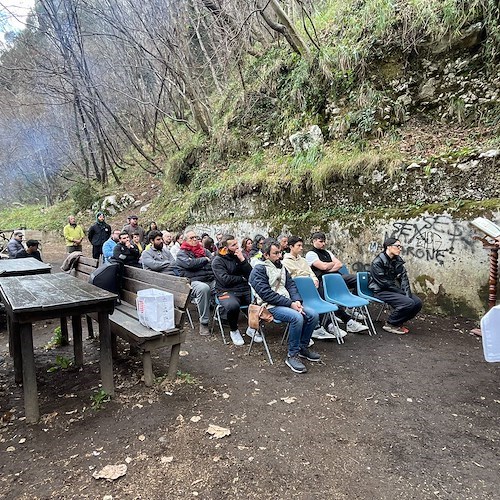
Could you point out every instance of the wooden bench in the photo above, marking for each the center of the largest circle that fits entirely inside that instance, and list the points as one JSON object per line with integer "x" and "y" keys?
{"x": 124, "y": 321}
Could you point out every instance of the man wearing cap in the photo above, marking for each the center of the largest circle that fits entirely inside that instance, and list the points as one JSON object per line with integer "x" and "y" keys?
{"x": 15, "y": 246}
{"x": 73, "y": 235}
{"x": 31, "y": 251}
{"x": 324, "y": 262}
{"x": 133, "y": 227}
{"x": 99, "y": 232}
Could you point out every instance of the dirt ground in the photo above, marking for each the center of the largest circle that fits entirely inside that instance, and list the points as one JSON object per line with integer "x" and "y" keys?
{"x": 383, "y": 417}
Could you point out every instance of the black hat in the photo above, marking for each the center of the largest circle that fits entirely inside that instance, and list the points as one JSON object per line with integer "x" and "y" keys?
{"x": 133, "y": 217}
{"x": 389, "y": 242}
{"x": 318, "y": 236}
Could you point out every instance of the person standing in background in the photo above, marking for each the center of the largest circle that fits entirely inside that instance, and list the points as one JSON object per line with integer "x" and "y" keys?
{"x": 99, "y": 233}
{"x": 73, "y": 235}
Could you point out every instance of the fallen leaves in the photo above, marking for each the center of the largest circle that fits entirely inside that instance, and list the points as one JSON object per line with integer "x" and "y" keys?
{"x": 111, "y": 472}
{"x": 289, "y": 400}
{"x": 195, "y": 418}
{"x": 218, "y": 432}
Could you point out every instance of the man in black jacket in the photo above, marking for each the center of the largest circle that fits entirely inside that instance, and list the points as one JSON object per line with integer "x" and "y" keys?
{"x": 99, "y": 232}
{"x": 125, "y": 252}
{"x": 194, "y": 262}
{"x": 389, "y": 282}
{"x": 231, "y": 271}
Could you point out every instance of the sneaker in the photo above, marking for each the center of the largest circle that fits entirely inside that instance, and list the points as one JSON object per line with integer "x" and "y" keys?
{"x": 257, "y": 337}
{"x": 309, "y": 355}
{"x": 294, "y": 363}
{"x": 354, "y": 327}
{"x": 398, "y": 330}
{"x": 356, "y": 315}
{"x": 237, "y": 338}
{"x": 204, "y": 330}
{"x": 311, "y": 343}
{"x": 321, "y": 334}
{"x": 336, "y": 331}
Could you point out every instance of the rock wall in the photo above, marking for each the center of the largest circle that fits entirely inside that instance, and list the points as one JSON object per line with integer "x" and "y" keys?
{"x": 447, "y": 268}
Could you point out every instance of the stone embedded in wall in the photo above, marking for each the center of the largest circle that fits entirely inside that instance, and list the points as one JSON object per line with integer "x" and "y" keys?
{"x": 303, "y": 141}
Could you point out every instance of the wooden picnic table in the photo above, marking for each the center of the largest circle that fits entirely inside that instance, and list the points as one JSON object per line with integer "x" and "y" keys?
{"x": 23, "y": 267}
{"x": 44, "y": 296}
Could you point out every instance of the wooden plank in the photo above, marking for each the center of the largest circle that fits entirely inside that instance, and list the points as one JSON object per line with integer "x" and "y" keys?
{"x": 129, "y": 308}
{"x": 133, "y": 286}
{"x": 172, "y": 284}
{"x": 21, "y": 267}
{"x": 84, "y": 269}
{"x": 88, "y": 261}
{"x": 106, "y": 358}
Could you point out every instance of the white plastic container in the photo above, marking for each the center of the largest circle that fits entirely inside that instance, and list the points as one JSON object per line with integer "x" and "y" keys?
{"x": 155, "y": 309}
{"x": 490, "y": 330}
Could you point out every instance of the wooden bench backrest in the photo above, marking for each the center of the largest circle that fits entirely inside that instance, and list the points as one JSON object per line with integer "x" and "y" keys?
{"x": 135, "y": 279}
{"x": 84, "y": 268}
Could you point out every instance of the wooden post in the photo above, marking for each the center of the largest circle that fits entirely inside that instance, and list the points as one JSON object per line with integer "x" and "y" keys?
{"x": 148, "y": 368}
{"x": 17, "y": 354}
{"x": 492, "y": 289}
{"x": 106, "y": 356}
{"x": 76, "y": 325}
{"x": 64, "y": 332}
{"x": 31, "y": 409}
{"x": 174, "y": 361}
{"x": 90, "y": 327}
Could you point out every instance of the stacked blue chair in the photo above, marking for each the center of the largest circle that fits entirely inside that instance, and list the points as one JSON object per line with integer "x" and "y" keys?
{"x": 364, "y": 292}
{"x": 336, "y": 292}
{"x": 311, "y": 298}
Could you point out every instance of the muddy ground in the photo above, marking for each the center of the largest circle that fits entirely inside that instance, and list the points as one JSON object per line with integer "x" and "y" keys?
{"x": 388, "y": 416}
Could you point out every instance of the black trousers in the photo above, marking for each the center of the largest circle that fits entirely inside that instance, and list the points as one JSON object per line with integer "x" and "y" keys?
{"x": 350, "y": 281}
{"x": 231, "y": 303}
{"x": 96, "y": 251}
{"x": 405, "y": 308}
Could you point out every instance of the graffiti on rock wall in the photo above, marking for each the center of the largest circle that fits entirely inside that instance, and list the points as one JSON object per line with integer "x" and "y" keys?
{"x": 431, "y": 238}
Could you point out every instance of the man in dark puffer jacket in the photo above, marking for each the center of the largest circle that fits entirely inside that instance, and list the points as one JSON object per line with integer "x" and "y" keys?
{"x": 99, "y": 233}
{"x": 231, "y": 271}
{"x": 194, "y": 262}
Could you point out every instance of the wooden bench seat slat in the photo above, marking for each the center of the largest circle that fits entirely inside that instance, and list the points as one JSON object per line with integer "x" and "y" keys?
{"x": 88, "y": 261}
{"x": 172, "y": 284}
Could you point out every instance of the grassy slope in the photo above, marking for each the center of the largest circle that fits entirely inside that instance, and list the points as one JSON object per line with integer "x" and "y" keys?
{"x": 284, "y": 93}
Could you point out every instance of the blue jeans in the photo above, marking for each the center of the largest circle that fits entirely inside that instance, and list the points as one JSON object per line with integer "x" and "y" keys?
{"x": 301, "y": 326}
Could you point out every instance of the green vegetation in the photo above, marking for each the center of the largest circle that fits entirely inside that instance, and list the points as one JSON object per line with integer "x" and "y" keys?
{"x": 98, "y": 399}
{"x": 186, "y": 378}
{"x": 62, "y": 363}
{"x": 56, "y": 340}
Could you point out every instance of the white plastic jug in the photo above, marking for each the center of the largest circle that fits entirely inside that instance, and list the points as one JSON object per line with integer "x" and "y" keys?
{"x": 490, "y": 330}
{"x": 155, "y": 309}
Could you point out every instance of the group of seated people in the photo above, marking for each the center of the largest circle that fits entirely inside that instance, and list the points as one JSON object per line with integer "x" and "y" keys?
{"x": 17, "y": 250}
{"x": 264, "y": 273}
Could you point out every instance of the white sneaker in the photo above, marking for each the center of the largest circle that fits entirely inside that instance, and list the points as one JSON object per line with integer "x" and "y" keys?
{"x": 356, "y": 315}
{"x": 321, "y": 334}
{"x": 311, "y": 342}
{"x": 355, "y": 327}
{"x": 336, "y": 331}
{"x": 237, "y": 338}
{"x": 257, "y": 337}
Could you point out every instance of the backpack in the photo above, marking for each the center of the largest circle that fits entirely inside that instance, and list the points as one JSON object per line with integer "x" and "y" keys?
{"x": 108, "y": 276}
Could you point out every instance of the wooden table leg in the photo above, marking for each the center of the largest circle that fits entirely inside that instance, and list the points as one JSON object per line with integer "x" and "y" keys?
{"x": 76, "y": 325}
{"x": 90, "y": 328}
{"x": 11, "y": 338}
{"x": 106, "y": 356}
{"x": 174, "y": 361}
{"x": 64, "y": 332}
{"x": 17, "y": 354}
{"x": 31, "y": 409}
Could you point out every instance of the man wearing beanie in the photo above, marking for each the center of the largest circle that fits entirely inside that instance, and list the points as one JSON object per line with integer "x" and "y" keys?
{"x": 389, "y": 282}
{"x": 99, "y": 233}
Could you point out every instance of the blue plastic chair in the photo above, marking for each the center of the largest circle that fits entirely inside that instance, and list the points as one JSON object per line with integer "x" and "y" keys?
{"x": 311, "y": 298}
{"x": 336, "y": 291}
{"x": 343, "y": 270}
{"x": 363, "y": 291}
